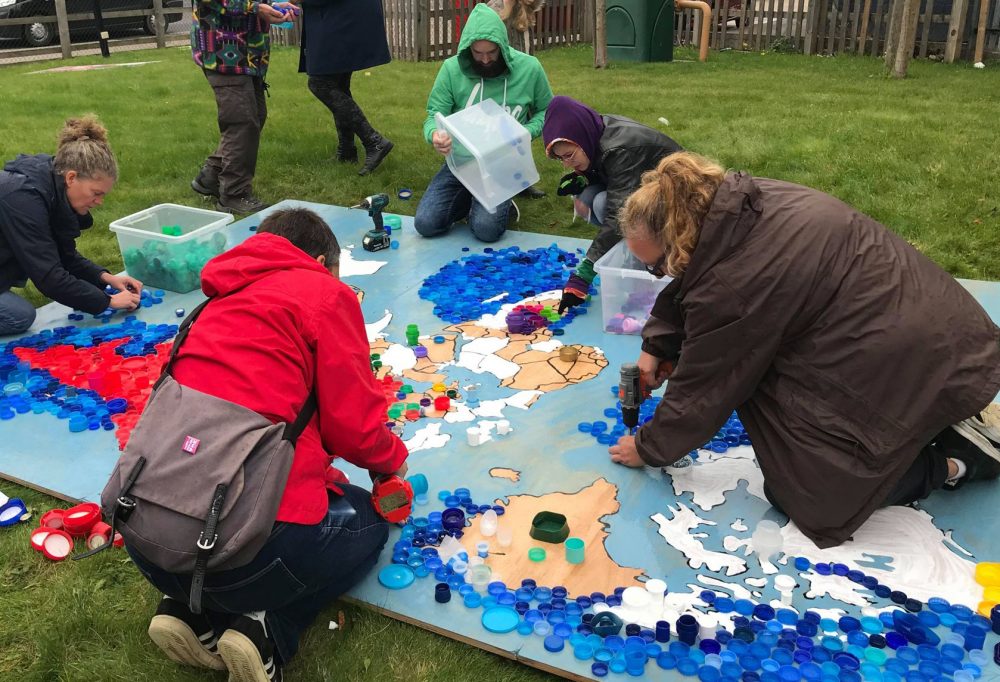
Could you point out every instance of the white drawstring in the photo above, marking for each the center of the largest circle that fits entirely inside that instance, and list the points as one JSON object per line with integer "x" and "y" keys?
{"x": 504, "y": 93}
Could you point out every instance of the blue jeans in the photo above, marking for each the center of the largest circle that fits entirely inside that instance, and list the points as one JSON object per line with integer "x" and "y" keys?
{"x": 16, "y": 314}
{"x": 446, "y": 201}
{"x": 298, "y": 573}
{"x": 596, "y": 198}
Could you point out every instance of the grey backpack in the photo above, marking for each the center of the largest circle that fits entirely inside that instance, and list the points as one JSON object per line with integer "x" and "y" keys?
{"x": 198, "y": 486}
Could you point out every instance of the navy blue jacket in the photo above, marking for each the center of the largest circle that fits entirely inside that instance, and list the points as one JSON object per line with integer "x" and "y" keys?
{"x": 339, "y": 36}
{"x": 38, "y": 231}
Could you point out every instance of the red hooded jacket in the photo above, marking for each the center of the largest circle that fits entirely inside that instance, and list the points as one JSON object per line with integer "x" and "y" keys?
{"x": 281, "y": 326}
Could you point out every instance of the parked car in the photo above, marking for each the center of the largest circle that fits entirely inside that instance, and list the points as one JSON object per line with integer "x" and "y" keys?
{"x": 43, "y": 33}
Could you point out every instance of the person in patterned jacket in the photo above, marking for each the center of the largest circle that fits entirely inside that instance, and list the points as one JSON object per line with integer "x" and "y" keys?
{"x": 230, "y": 42}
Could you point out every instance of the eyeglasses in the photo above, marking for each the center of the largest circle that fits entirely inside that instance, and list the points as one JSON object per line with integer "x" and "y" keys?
{"x": 656, "y": 270}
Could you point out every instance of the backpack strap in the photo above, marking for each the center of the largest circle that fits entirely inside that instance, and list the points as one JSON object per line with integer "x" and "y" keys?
{"x": 206, "y": 543}
{"x": 182, "y": 332}
{"x": 295, "y": 429}
{"x": 123, "y": 507}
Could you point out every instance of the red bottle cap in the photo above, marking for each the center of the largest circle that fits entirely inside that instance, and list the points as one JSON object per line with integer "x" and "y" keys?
{"x": 99, "y": 535}
{"x": 119, "y": 540}
{"x": 57, "y": 545}
{"x": 53, "y": 518}
{"x": 38, "y": 537}
{"x": 442, "y": 403}
{"x": 80, "y": 519}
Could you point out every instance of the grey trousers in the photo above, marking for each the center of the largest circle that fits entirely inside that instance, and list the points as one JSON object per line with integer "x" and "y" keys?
{"x": 242, "y": 113}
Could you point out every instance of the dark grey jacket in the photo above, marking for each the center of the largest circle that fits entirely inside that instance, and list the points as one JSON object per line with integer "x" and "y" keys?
{"x": 38, "y": 231}
{"x": 627, "y": 150}
{"x": 843, "y": 349}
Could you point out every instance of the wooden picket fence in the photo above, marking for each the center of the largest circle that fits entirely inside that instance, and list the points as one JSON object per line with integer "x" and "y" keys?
{"x": 430, "y": 29}
{"x": 833, "y": 27}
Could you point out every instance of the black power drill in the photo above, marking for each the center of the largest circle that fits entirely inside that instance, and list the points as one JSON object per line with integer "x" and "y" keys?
{"x": 630, "y": 395}
{"x": 377, "y": 239}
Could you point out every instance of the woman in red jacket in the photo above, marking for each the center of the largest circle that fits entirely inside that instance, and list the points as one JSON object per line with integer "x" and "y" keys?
{"x": 283, "y": 325}
{"x": 862, "y": 371}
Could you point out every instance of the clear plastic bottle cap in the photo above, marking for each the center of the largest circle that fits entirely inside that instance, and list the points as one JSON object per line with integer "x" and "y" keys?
{"x": 488, "y": 524}
{"x": 505, "y": 536}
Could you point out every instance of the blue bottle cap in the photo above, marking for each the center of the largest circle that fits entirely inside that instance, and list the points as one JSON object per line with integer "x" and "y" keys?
{"x": 500, "y": 619}
{"x": 396, "y": 576}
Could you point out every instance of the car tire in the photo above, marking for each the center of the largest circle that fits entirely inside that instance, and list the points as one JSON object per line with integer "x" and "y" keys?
{"x": 40, "y": 34}
{"x": 149, "y": 25}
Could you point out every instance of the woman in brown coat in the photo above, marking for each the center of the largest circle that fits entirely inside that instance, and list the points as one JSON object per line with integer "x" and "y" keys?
{"x": 859, "y": 368}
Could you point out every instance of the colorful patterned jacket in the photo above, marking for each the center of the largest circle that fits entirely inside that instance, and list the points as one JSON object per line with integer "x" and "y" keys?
{"x": 229, "y": 37}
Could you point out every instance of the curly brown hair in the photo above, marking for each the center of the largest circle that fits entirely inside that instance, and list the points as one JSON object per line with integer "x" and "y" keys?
{"x": 670, "y": 204}
{"x": 521, "y": 13}
{"x": 83, "y": 147}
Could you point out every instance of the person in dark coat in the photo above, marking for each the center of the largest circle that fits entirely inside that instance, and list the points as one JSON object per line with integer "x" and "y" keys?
{"x": 340, "y": 37}
{"x": 45, "y": 203}
{"x": 607, "y": 156}
{"x": 862, "y": 371}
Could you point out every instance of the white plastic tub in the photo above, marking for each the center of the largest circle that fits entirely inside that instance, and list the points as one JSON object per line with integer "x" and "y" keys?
{"x": 490, "y": 153}
{"x": 627, "y": 290}
{"x": 158, "y": 257}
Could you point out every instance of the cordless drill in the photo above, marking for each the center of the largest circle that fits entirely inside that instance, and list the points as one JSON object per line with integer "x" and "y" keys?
{"x": 377, "y": 239}
{"x": 630, "y": 394}
{"x": 392, "y": 497}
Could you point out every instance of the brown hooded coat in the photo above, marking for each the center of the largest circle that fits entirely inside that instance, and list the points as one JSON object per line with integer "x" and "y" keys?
{"x": 843, "y": 349}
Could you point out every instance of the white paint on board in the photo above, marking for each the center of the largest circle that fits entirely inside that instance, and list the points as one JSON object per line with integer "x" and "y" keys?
{"x": 399, "y": 357}
{"x": 427, "y": 438}
{"x": 713, "y": 475}
{"x": 677, "y": 532}
{"x": 376, "y": 330}
{"x": 350, "y": 267}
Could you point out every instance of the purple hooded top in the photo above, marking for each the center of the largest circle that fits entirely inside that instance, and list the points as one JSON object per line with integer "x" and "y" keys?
{"x": 571, "y": 121}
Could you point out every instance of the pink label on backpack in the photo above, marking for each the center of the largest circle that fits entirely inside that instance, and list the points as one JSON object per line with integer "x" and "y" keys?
{"x": 190, "y": 444}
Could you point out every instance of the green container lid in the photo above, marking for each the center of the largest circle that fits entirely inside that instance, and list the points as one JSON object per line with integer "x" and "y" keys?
{"x": 549, "y": 526}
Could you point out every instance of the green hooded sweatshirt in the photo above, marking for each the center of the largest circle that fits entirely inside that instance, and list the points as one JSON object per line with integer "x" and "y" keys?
{"x": 523, "y": 90}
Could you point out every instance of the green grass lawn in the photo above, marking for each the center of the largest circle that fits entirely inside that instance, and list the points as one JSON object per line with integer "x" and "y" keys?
{"x": 919, "y": 154}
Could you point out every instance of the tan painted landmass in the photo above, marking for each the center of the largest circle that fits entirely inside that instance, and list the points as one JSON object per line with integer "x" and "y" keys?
{"x": 509, "y": 474}
{"x": 359, "y": 293}
{"x": 583, "y": 511}
{"x": 540, "y": 370}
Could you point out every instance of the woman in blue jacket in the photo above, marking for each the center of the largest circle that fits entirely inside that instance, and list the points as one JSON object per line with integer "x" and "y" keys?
{"x": 45, "y": 202}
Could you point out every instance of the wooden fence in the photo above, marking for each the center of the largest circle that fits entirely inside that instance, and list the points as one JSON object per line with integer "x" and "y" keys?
{"x": 430, "y": 29}
{"x": 839, "y": 26}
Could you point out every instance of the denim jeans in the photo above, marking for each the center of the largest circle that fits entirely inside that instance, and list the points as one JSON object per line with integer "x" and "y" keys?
{"x": 446, "y": 201}
{"x": 16, "y": 314}
{"x": 298, "y": 573}
{"x": 595, "y": 197}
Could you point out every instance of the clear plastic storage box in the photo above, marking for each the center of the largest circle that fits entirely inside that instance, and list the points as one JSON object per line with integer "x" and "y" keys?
{"x": 490, "y": 152}
{"x": 627, "y": 290}
{"x": 166, "y": 246}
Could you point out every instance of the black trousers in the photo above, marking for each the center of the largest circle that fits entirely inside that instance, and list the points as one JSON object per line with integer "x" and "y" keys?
{"x": 928, "y": 472}
{"x": 334, "y": 91}
{"x": 242, "y": 113}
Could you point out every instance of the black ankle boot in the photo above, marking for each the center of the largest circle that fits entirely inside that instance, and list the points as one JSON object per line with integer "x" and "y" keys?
{"x": 346, "y": 151}
{"x": 376, "y": 149}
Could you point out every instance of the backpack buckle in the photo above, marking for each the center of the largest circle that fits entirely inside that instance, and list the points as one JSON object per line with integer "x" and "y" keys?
{"x": 125, "y": 507}
{"x": 206, "y": 545}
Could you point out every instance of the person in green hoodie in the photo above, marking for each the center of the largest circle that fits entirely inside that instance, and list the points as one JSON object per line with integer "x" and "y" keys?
{"x": 486, "y": 67}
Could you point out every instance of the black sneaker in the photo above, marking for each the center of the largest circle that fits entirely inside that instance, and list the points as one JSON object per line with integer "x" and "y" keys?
{"x": 979, "y": 466}
{"x": 248, "y": 652}
{"x": 247, "y": 203}
{"x": 375, "y": 152}
{"x": 184, "y": 637}
{"x": 983, "y": 430}
{"x": 207, "y": 182}
{"x": 531, "y": 192}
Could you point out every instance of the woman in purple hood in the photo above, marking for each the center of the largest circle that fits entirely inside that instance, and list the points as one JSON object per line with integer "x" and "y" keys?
{"x": 606, "y": 156}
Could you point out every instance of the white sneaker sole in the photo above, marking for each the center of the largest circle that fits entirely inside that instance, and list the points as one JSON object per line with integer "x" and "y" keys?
{"x": 242, "y": 658}
{"x": 179, "y": 642}
{"x": 976, "y": 438}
